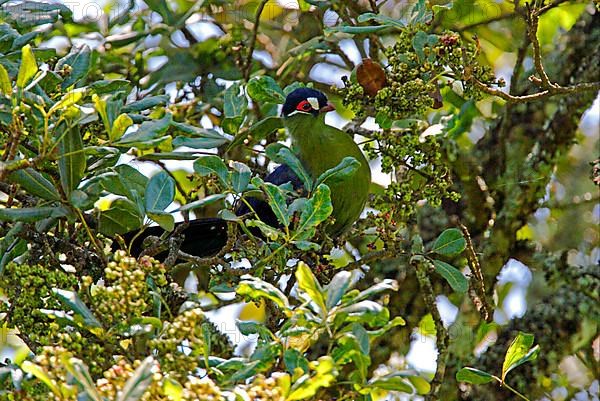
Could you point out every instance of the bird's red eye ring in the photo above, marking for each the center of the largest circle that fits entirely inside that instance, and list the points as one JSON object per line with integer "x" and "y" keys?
{"x": 304, "y": 106}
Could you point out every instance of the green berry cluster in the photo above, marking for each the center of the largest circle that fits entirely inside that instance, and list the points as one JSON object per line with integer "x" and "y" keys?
{"x": 418, "y": 167}
{"x": 114, "y": 379}
{"x": 417, "y": 62}
{"x": 181, "y": 344}
{"x": 204, "y": 389}
{"x": 124, "y": 295}
{"x": 29, "y": 289}
{"x": 266, "y": 388}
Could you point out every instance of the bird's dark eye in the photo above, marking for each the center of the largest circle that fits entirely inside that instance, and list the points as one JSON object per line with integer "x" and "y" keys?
{"x": 304, "y": 106}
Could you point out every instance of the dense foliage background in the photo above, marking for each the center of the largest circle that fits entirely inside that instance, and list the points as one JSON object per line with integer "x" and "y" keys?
{"x": 479, "y": 121}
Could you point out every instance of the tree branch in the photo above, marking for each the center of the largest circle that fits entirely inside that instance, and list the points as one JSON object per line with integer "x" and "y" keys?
{"x": 252, "y": 44}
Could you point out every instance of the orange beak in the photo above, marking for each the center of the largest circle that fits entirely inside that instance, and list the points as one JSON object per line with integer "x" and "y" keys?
{"x": 325, "y": 109}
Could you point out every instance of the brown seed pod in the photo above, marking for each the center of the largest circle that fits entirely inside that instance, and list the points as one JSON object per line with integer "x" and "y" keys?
{"x": 371, "y": 76}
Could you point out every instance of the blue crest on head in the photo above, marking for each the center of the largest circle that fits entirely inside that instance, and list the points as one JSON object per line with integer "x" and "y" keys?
{"x": 298, "y": 95}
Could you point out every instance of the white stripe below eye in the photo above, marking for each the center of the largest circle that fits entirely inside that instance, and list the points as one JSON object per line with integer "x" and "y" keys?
{"x": 297, "y": 112}
{"x": 314, "y": 102}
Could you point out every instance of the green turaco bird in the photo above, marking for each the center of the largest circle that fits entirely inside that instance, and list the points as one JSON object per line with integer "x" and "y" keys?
{"x": 319, "y": 147}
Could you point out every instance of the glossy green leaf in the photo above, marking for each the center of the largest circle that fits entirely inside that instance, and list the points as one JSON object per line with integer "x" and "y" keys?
{"x": 146, "y": 133}
{"x": 139, "y": 382}
{"x": 79, "y": 62}
{"x": 337, "y": 287}
{"x": 71, "y": 162}
{"x": 122, "y": 216}
{"x": 199, "y": 143}
{"x": 473, "y": 376}
{"x": 307, "y": 386}
{"x": 145, "y": 104}
{"x": 306, "y": 245}
{"x": 212, "y": 165}
{"x": 119, "y": 127}
{"x": 80, "y": 372}
{"x": 269, "y": 232}
{"x": 283, "y": 155}
{"x": 28, "y": 67}
{"x": 68, "y": 100}
{"x": 255, "y": 288}
{"x": 234, "y": 103}
{"x": 248, "y": 328}
{"x": 37, "y": 372}
{"x": 519, "y": 352}
{"x": 294, "y": 359}
{"x": 35, "y": 184}
{"x": 240, "y": 176}
{"x": 165, "y": 220}
{"x": 391, "y": 383}
{"x": 452, "y": 275}
{"x": 5, "y": 83}
{"x": 200, "y": 203}
{"x": 385, "y": 285}
{"x": 317, "y": 210}
{"x": 451, "y": 242}
{"x": 277, "y": 202}
{"x": 308, "y": 283}
{"x": 160, "y": 192}
{"x": 382, "y": 19}
{"x": 31, "y": 214}
{"x": 346, "y": 169}
{"x": 362, "y": 338}
{"x": 109, "y": 86}
{"x": 265, "y": 90}
{"x": 71, "y": 299}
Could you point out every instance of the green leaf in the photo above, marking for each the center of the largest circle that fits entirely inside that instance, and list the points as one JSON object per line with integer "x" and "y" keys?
{"x": 145, "y": 104}
{"x": 258, "y": 130}
{"x": 283, "y": 155}
{"x": 383, "y": 19}
{"x": 307, "y": 386}
{"x": 231, "y": 125}
{"x": 240, "y": 177}
{"x": 294, "y": 359}
{"x": 71, "y": 299}
{"x": 306, "y": 245}
{"x": 519, "y": 352}
{"x": 317, "y": 210}
{"x": 139, "y": 382}
{"x": 265, "y": 90}
{"x": 68, "y": 100}
{"x": 385, "y": 285}
{"x": 200, "y": 203}
{"x": 148, "y": 134}
{"x": 165, "y": 220}
{"x": 122, "y": 216}
{"x": 212, "y": 165}
{"x": 119, "y": 127}
{"x": 71, "y": 162}
{"x": 255, "y": 288}
{"x": 160, "y": 192}
{"x": 79, "y": 62}
{"x": 451, "y": 242}
{"x": 356, "y": 30}
{"x": 28, "y": 67}
{"x": 307, "y": 282}
{"x": 420, "y": 14}
{"x": 473, "y": 376}
{"x": 81, "y": 374}
{"x": 5, "y": 84}
{"x": 391, "y": 383}
{"x": 277, "y": 202}
{"x": 31, "y": 214}
{"x": 452, "y": 275}
{"x": 347, "y": 167}
{"x": 248, "y": 328}
{"x": 270, "y": 232}
{"x": 337, "y": 287}
{"x": 384, "y": 121}
{"x": 234, "y": 104}
{"x": 109, "y": 86}
{"x": 35, "y": 370}
{"x": 199, "y": 143}
{"x": 362, "y": 338}
{"x": 35, "y": 184}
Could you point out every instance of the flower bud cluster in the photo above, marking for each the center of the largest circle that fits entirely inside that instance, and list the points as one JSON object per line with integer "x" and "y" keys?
{"x": 265, "y": 388}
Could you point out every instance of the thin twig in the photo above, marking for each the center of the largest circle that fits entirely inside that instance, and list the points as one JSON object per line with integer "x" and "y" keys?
{"x": 441, "y": 334}
{"x": 485, "y": 22}
{"x": 477, "y": 293}
{"x": 251, "y": 46}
